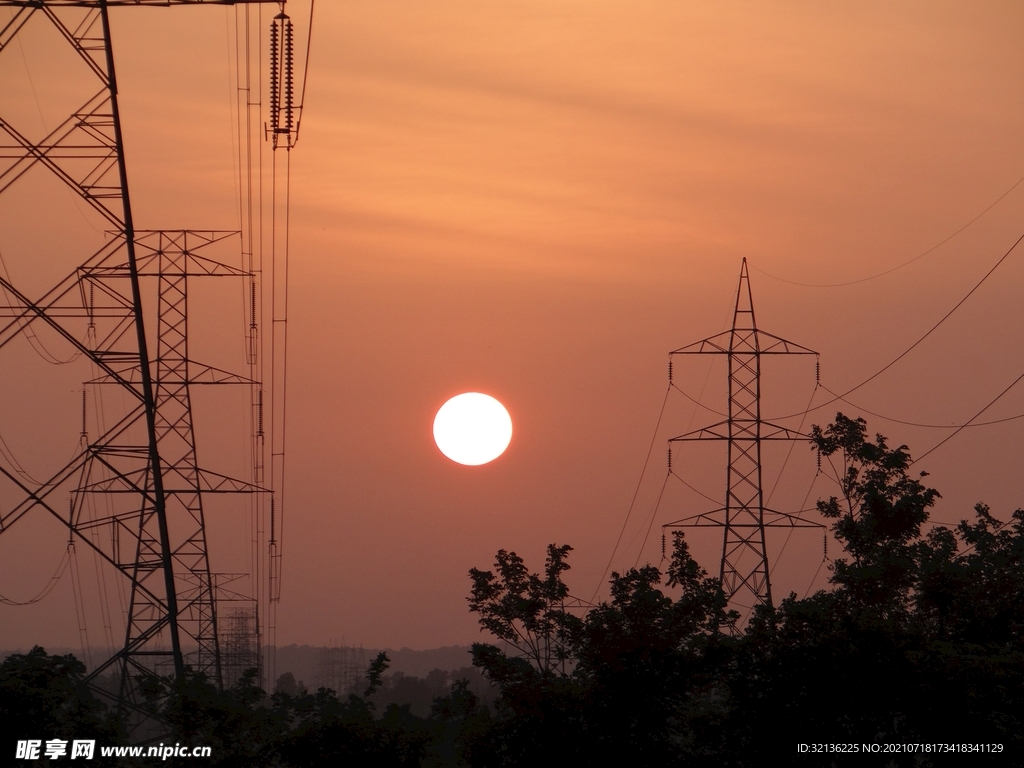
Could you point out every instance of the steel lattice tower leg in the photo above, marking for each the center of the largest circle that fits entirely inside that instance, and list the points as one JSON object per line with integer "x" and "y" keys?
{"x": 744, "y": 569}
{"x": 111, "y": 466}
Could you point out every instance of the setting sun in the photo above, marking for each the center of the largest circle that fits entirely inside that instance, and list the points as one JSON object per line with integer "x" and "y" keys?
{"x": 472, "y": 429}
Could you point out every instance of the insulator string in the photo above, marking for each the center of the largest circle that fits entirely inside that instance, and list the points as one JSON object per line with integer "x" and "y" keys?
{"x": 273, "y": 539}
{"x": 275, "y": 84}
{"x": 288, "y": 76}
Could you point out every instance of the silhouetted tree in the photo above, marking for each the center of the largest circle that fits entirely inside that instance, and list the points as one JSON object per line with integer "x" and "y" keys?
{"x": 286, "y": 684}
{"x": 418, "y": 693}
{"x": 234, "y": 722}
{"x": 526, "y": 610}
{"x": 44, "y": 696}
{"x": 328, "y": 731}
{"x": 878, "y": 520}
{"x": 634, "y": 674}
{"x": 651, "y": 662}
{"x": 464, "y": 723}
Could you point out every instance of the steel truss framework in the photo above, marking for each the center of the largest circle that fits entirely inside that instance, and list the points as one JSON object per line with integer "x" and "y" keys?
{"x": 744, "y": 568}
{"x": 150, "y": 525}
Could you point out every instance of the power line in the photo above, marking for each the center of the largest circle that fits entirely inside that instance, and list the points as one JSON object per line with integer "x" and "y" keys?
{"x": 905, "y": 263}
{"x": 928, "y": 333}
{"x": 62, "y": 566}
{"x": 692, "y": 488}
{"x": 949, "y": 437}
{"x": 778, "y": 477}
{"x": 697, "y": 402}
{"x": 632, "y": 503}
{"x": 842, "y": 397}
{"x": 927, "y": 426}
{"x": 650, "y": 525}
{"x": 305, "y": 75}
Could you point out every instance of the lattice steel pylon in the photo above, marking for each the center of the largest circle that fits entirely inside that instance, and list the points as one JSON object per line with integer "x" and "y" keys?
{"x": 171, "y": 260}
{"x": 744, "y": 570}
{"x": 150, "y": 526}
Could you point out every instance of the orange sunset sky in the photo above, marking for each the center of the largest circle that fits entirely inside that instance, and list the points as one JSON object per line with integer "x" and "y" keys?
{"x": 539, "y": 199}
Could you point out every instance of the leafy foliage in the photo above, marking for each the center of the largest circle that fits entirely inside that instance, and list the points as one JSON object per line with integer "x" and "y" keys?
{"x": 376, "y": 672}
{"x": 231, "y": 722}
{"x": 879, "y": 519}
{"x": 527, "y": 610}
{"x": 44, "y": 694}
{"x": 244, "y": 728}
{"x": 632, "y": 666}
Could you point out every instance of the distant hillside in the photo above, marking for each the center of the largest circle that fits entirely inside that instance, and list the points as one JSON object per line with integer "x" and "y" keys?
{"x": 304, "y": 661}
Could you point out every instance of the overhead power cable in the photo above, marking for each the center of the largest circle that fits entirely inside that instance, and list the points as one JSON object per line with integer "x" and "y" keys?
{"x": 305, "y": 75}
{"x": 927, "y": 333}
{"x": 25, "y": 327}
{"x": 692, "y": 488}
{"x": 968, "y": 423}
{"x": 905, "y": 263}
{"x": 842, "y": 397}
{"x": 778, "y": 477}
{"x": 632, "y": 503}
{"x": 920, "y": 424}
{"x": 697, "y": 402}
{"x": 650, "y": 524}
{"x": 62, "y": 566}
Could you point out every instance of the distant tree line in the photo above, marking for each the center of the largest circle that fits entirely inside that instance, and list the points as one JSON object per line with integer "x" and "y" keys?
{"x": 918, "y": 640}
{"x": 400, "y": 689}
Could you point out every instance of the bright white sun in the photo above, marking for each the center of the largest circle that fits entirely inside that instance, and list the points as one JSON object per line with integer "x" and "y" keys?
{"x": 472, "y": 429}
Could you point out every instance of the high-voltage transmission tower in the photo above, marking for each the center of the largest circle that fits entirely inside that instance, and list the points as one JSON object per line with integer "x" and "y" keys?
{"x": 134, "y": 492}
{"x": 744, "y": 569}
